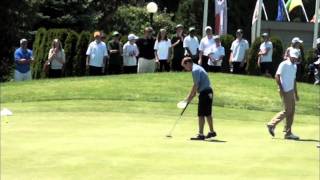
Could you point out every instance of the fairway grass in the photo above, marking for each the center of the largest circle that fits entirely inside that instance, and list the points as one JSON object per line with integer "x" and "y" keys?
{"x": 105, "y": 135}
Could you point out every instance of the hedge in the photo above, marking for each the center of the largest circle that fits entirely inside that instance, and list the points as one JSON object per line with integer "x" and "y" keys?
{"x": 226, "y": 42}
{"x": 70, "y": 52}
{"x": 79, "y": 61}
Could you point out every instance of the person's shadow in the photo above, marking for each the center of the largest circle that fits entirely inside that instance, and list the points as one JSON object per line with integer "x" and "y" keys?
{"x": 216, "y": 141}
{"x": 308, "y": 140}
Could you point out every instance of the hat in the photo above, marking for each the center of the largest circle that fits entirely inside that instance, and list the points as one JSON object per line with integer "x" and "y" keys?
{"x": 132, "y": 37}
{"x": 265, "y": 35}
{"x": 317, "y": 62}
{"x": 295, "y": 53}
{"x": 208, "y": 28}
{"x": 149, "y": 29}
{"x": 179, "y": 26}
{"x": 115, "y": 33}
{"x": 240, "y": 31}
{"x": 97, "y": 33}
{"x": 216, "y": 37}
{"x": 296, "y": 40}
{"x": 23, "y": 40}
{"x": 318, "y": 41}
{"x": 193, "y": 29}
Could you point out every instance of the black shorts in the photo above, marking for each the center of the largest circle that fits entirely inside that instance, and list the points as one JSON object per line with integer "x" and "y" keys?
{"x": 205, "y": 103}
{"x": 266, "y": 67}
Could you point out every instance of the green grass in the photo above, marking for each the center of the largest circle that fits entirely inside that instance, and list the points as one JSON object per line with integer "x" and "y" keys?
{"x": 115, "y": 127}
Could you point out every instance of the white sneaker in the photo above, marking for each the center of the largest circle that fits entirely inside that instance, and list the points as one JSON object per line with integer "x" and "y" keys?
{"x": 291, "y": 136}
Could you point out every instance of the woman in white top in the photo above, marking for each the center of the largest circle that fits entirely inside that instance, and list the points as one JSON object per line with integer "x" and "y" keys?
{"x": 130, "y": 53}
{"x": 216, "y": 56}
{"x": 56, "y": 59}
{"x": 162, "y": 49}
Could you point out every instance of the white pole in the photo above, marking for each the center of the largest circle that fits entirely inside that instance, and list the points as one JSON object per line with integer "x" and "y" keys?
{"x": 304, "y": 12}
{"x": 285, "y": 9}
{"x": 205, "y": 17}
{"x": 259, "y": 18}
{"x": 316, "y": 24}
{"x": 265, "y": 12}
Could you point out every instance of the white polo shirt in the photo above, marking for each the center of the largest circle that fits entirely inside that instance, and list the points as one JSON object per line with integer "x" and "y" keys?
{"x": 263, "y": 47}
{"x": 238, "y": 49}
{"x": 192, "y": 43}
{"x": 287, "y": 72}
{"x": 97, "y": 52}
{"x": 206, "y": 45}
{"x": 162, "y": 49}
{"x": 130, "y": 53}
{"x": 215, "y": 55}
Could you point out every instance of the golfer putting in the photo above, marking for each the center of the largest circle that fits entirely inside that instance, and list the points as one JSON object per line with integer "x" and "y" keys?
{"x": 202, "y": 86}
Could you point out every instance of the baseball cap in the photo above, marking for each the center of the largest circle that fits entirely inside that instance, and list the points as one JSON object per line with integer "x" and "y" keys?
{"x": 216, "y": 37}
{"x": 115, "y": 33}
{"x": 318, "y": 41}
{"x": 97, "y": 33}
{"x": 294, "y": 53}
{"x": 179, "y": 26}
{"x": 132, "y": 37}
{"x": 296, "y": 40}
{"x": 239, "y": 31}
{"x": 317, "y": 62}
{"x": 23, "y": 40}
{"x": 208, "y": 28}
{"x": 265, "y": 35}
{"x": 192, "y": 29}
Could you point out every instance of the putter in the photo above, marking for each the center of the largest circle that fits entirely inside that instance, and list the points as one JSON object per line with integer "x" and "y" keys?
{"x": 169, "y": 135}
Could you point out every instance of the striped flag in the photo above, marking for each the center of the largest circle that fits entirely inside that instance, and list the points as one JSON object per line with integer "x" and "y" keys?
{"x": 221, "y": 19}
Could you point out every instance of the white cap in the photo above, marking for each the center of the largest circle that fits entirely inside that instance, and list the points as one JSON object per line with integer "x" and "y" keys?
{"x": 295, "y": 53}
{"x": 216, "y": 37}
{"x": 296, "y": 40}
{"x": 23, "y": 40}
{"x": 317, "y": 62}
{"x": 207, "y": 28}
{"x": 318, "y": 41}
{"x": 132, "y": 37}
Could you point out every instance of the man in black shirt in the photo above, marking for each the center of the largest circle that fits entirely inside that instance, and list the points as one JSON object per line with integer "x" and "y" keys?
{"x": 115, "y": 50}
{"x": 178, "y": 49}
{"x": 146, "y": 60}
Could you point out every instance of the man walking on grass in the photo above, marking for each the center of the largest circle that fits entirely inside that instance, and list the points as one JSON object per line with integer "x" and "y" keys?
{"x": 286, "y": 80}
{"x": 202, "y": 86}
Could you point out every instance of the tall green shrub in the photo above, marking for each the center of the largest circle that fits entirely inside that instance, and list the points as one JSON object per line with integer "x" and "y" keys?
{"x": 39, "y": 52}
{"x": 277, "y": 57}
{"x": 70, "y": 50}
{"x": 79, "y": 61}
{"x": 226, "y": 42}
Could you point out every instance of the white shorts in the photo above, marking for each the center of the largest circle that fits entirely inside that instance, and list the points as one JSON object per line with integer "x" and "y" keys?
{"x": 146, "y": 65}
{"x": 18, "y": 76}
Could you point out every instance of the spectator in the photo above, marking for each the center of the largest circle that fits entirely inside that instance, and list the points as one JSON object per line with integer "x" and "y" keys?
{"x": 162, "y": 48}
{"x": 286, "y": 80}
{"x": 205, "y": 47}
{"x": 130, "y": 53}
{"x": 178, "y": 50}
{"x": 317, "y": 72}
{"x": 96, "y": 55}
{"x": 296, "y": 44}
{"x": 146, "y": 61}
{"x": 115, "y": 50}
{"x": 23, "y": 58}
{"x": 265, "y": 56}
{"x": 191, "y": 45}
{"x": 56, "y": 59}
{"x": 216, "y": 56}
{"x": 238, "y": 53}
{"x": 317, "y": 51}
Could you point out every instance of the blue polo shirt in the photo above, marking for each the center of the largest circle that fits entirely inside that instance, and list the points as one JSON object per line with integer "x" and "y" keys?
{"x": 200, "y": 78}
{"x": 22, "y": 54}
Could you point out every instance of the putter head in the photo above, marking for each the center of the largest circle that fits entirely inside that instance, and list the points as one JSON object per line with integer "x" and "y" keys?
{"x": 168, "y": 136}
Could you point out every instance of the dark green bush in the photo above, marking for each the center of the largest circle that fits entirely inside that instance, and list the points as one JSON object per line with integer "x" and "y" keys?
{"x": 70, "y": 50}
{"x": 39, "y": 52}
{"x": 226, "y": 41}
{"x": 79, "y": 61}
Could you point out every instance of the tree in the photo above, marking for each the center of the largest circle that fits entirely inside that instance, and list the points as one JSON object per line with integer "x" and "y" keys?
{"x": 79, "y": 61}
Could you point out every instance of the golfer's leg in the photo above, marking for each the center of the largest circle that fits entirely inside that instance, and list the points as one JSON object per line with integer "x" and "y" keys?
{"x": 290, "y": 109}
{"x": 201, "y": 124}
{"x": 210, "y": 123}
{"x": 281, "y": 115}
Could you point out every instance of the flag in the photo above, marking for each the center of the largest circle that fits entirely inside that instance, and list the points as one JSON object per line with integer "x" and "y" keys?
{"x": 221, "y": 17}
{"x": 256, "y": 12}
{"x": 280, "y": 16}
{"x": 291, "y": 4}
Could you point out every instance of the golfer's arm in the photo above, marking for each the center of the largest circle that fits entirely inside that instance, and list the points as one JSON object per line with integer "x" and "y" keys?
{"x": 87, "y": 60}
{"x": 277, "y": 77}
{"x": 295, "y": 88}
{"x": 192, "y": 93}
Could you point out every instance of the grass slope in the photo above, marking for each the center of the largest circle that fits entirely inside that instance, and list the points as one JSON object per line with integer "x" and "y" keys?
{"x": 114, "y": 128}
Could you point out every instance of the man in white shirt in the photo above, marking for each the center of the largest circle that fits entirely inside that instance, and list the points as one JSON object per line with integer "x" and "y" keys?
{"x": 238, "y": 53}
{"x": 265, "y": 56}
{"x": 97, "y": 54}
{"x": 130, "y": 54}
{"x": 205, "y": 47}
{"x": 216, "y": 56}
{"x": 191, "y": 45}
{"x": 286, "y": 80}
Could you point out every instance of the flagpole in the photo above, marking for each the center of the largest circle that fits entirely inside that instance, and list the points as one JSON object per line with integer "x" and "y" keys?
{"x": 265, "y": 12}
{"x": 316, "y": 25}
{"x": 259, "y": 18}
{"x": 304, "y": 12}
{"x": 285, "y": 9}
{"x": 205, "y": 17}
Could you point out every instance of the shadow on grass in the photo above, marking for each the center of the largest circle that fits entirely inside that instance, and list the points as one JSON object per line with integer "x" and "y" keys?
{"x": 216, "y": 141}
{"x": 301, "y": 140}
